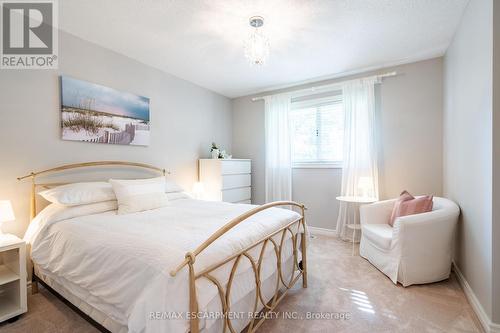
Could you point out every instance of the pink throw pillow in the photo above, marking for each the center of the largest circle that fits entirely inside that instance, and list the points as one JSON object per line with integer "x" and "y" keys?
{"x": 409, "y": 205}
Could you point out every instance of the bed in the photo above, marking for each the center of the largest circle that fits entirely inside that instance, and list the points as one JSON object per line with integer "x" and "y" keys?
{"x": 193, "y": 266}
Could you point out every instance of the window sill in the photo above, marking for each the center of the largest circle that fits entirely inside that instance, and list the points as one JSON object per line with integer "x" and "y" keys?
{"x": 317, "y": 166}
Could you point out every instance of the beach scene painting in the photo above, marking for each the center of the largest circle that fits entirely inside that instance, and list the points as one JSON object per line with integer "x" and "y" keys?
{"x": 94, "y": 113}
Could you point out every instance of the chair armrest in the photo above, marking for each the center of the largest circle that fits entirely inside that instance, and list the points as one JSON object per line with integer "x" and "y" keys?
{"x": 435, "y": 229}
{"x": 427, "y": 220}
{"x": 376, "y": 213}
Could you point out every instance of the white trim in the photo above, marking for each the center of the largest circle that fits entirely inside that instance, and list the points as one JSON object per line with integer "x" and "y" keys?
{"x": 322, "y": 231}
{"x": 487, "y": 324}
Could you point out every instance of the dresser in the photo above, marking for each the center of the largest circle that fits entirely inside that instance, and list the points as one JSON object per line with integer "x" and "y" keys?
{"x": 226, "y": 180}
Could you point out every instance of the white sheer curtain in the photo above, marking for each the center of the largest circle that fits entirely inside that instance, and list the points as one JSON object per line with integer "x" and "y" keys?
{"x": 359, "y": 171}
{"x": 278, "y": 150}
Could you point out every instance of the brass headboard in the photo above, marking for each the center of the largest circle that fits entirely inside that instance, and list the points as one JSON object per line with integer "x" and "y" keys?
{"x": 62, "y": 168}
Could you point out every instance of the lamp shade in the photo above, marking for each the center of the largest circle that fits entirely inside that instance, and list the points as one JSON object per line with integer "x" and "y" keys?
{"x": 6, "y": 212}
{"x": 365, "y": 186}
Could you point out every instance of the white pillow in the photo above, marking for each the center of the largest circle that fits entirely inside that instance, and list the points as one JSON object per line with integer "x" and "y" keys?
{"x": 58, "y": 213}
{"x": 79, "y": 193}
{"x": 172, "y": 186}
{"x": 139, "y": 194}
{"x": 172, "y": 196}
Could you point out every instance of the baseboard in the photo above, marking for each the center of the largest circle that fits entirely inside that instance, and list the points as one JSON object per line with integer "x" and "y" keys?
{"x": 321, "y": 231}
{"x": 488, "y": 325}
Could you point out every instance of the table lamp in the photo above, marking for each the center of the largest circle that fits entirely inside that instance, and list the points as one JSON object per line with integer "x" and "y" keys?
{"x": 365, "y": 186}
{"x": 6, "y": 213}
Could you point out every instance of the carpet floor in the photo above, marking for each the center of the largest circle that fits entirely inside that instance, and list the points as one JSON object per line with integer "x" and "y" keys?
{"x": 345, "y": 294}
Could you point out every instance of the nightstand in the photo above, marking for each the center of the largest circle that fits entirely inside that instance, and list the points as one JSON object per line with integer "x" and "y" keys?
{"x": 12, "y": 277}
{"x": 356, "y": 201}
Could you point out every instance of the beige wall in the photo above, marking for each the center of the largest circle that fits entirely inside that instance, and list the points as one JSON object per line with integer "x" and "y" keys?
{"x": 410, "y": 131}
{"x": 468, "y": 144}
{"x": 317, "y": 189}
{"x": 185, "y": 119}
{"x": 410, "y": 115}
{"x": 248, "y": 140}
{"x": 496, "y": 164}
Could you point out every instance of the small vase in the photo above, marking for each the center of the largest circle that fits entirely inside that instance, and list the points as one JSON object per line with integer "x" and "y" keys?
{"x": 215, "y": 153}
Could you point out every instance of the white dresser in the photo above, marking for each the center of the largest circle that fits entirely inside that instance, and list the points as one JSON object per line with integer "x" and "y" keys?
{"x": 226, "y": 180}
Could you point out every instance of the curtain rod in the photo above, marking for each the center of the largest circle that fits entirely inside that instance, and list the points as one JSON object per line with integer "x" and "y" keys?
{"x": 312, "y": 89}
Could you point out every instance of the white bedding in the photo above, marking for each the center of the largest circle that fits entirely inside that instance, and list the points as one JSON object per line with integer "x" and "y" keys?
{"x": 121, "y": 263}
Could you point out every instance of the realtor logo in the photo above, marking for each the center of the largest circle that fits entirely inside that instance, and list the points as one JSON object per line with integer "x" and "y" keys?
{"x": 29, "y": 34}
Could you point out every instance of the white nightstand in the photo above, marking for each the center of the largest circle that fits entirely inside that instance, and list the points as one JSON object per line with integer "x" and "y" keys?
{"x": 12, "y": 277}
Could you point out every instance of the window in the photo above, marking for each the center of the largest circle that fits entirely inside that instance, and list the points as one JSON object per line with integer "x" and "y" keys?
{"x": 317, "y": 132}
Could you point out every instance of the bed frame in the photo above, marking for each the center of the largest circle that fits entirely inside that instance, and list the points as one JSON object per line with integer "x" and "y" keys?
{"x": 295, "y": 228}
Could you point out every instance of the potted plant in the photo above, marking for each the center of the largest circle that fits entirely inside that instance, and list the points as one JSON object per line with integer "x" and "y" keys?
{"x": 215, "y": 151}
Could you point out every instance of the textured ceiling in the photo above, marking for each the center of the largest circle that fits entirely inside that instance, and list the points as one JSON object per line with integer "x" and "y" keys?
{"x": 202, "y": 41}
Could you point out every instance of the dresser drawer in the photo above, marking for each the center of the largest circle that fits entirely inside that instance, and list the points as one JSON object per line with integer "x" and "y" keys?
{"x": 234, "y": 181}
{"x": 235, "y": 167}
{"x": 237, "y": 194}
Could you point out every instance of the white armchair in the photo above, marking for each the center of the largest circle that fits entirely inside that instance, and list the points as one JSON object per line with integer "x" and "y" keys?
{"x": 418, "y": 249}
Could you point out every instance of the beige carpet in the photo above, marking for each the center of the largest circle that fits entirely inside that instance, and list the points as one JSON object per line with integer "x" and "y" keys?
{"x": 355, "y": 295}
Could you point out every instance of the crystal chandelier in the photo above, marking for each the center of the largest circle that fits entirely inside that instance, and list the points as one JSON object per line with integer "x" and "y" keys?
{"x": 257, "y": 44}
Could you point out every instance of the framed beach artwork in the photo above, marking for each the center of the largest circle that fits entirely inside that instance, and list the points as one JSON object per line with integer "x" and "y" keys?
{"x": 94, "y": 113}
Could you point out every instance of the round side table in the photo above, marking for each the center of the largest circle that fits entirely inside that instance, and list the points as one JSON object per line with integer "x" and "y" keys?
{"x": 356, "y": 201}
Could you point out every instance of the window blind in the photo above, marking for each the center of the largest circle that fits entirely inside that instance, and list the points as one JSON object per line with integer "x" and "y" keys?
{"x": 317, "y": 130}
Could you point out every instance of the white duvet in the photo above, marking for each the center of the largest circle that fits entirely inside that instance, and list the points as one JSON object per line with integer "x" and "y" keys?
{"x": 120, "y": 263}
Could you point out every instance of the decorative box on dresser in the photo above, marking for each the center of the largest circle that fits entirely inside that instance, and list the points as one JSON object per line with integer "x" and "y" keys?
{"x": 12, "y": 277}
{"x": 226, "y": 180}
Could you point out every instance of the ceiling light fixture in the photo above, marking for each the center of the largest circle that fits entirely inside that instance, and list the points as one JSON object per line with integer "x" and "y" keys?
{"x": 257, "y": 44}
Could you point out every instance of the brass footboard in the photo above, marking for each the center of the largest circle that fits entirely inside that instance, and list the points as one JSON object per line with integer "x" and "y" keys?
{"x": 294, "y": 228}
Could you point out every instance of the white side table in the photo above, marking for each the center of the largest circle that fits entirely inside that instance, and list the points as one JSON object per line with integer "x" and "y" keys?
{"x": 357, "y": 201}
{"x": 13, "y": 300}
